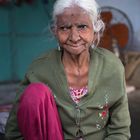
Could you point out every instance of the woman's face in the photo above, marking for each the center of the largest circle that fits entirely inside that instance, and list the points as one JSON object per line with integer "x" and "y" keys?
{"x": 74, "y": 30}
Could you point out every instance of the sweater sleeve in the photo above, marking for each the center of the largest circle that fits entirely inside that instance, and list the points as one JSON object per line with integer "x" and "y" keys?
{"x": 11, "y": 130}
{"x": 119, "y": 123}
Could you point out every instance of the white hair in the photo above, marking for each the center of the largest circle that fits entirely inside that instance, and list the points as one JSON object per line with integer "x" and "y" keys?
{"x": 90, "y": 6}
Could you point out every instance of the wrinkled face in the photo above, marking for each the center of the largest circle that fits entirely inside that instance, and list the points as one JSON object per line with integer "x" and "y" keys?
{"x": 74, "y": 30}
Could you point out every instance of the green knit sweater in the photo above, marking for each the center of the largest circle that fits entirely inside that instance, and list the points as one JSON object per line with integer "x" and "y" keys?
{"x": 101, "y": 115}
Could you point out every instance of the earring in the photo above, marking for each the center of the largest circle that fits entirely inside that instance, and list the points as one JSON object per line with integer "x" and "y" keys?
{"x": 58, "y": 48}
{"x": 93, "y": 46}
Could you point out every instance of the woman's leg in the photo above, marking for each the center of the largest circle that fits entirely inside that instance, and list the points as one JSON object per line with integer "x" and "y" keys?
{"x": 37, "y": 114}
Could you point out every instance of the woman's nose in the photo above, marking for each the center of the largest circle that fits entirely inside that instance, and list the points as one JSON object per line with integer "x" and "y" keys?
{"x": 74, "y": 35}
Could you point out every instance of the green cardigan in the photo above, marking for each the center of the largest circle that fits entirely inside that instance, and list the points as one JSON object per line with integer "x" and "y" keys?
{"x": 101, "y": 115}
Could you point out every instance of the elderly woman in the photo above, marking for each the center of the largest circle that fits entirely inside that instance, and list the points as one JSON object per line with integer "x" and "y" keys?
{"x": 76, "y": 92}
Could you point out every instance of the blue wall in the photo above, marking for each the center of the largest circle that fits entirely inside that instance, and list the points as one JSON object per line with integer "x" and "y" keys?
{"x": 24, "y": 34}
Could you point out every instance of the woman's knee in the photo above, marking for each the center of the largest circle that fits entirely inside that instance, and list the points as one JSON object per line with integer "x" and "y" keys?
{"x": 35, "y": 93}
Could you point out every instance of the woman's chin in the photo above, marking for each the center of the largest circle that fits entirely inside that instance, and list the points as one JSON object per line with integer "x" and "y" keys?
{"x": 76, "y": 51}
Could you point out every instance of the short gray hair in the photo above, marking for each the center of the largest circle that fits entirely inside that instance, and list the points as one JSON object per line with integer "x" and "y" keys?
{"x": 90, "y": 6}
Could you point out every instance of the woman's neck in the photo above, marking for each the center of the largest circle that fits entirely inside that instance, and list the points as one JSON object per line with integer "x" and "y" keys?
{"x": 80, "y": 60}
{"x": 76, "y": 69}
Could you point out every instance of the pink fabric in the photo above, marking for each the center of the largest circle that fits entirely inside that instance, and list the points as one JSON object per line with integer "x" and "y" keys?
{"x": 77, "y": 94}
{"x": 37, "y": 114}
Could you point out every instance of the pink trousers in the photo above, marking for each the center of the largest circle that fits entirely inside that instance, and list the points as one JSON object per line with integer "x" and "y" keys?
{"x": 37, "y": 114}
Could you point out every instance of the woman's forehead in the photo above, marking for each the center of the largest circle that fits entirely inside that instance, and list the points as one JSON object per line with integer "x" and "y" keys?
{"x": 73, "y": 14}
{"x": 73, "y": 10}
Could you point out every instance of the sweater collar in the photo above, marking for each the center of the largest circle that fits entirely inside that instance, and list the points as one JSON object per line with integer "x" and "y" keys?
{"x": 94, "y": 72}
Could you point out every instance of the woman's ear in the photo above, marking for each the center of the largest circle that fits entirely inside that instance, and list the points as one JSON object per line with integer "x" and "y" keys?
{"x": 98, "y": 26}
{"x": 53, "y": 30}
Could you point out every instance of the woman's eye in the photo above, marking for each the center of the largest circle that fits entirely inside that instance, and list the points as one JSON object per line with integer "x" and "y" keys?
{"x": 65, "y": 28}
{"x": 82, "y": 26}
